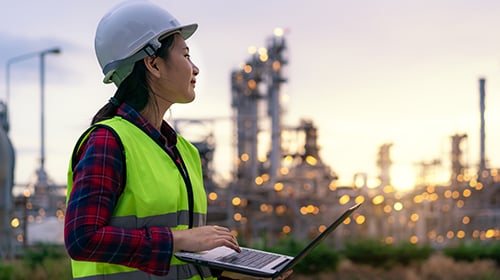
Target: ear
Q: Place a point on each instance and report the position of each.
(151, 64)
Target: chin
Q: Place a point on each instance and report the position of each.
(192, 97)
(189, 99)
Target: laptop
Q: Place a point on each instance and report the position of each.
(257, 263)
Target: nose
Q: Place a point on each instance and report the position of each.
(196, 70)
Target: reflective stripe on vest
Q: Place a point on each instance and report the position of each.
(154, 195)
(179, 218)
(176, 272)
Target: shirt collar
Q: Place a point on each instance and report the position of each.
(166, 134)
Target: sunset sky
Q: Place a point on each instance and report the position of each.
(365, 72)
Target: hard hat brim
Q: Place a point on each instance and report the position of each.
(187, 30)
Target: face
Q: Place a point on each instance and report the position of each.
(177, 74)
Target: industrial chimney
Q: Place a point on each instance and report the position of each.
(482, 160)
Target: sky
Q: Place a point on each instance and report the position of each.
(365, 72)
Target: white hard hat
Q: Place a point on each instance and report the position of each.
(130, 32)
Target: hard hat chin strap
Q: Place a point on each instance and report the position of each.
(148, 50)
(118, 70)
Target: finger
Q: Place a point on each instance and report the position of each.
(224, 232)
(233, 246)
(230, 242)
(227, 238)
(286, 274)
(219, 228)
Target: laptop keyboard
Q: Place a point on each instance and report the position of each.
(249, 258)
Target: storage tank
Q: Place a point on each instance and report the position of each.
(7, 160)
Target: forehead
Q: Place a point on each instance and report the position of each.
(179, 42)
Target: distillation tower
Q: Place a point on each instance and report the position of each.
(277, 190)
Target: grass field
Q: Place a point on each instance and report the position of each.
(437, 267)
(50, 264)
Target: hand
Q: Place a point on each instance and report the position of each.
(227, 275)
(204, 238)
(285, 275)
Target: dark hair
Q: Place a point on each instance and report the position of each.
(134, 90)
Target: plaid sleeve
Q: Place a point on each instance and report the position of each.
(97, 184)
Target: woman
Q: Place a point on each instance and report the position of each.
(135, 188)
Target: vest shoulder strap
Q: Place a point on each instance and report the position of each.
(85, 135)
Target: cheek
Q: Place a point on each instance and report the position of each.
(180, 71)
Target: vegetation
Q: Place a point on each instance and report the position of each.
(322, 258)
(379, 254)
(366, 259)
(474, 251)
(39, 262)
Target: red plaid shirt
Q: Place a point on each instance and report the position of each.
(98, 181)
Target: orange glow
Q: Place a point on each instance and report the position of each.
(311, 160)
(414, 239)
(466, 193)
(276, 66)
(265, 177)
(236, 201)
(284, 171)
(360, 219)
(418, 199)
(263, 207)
(15, 223)
(344, 199)
(237, 217)
(281, 209)
(286, 229)
(432, 235)
(252, 84)
(332, 186)
(360, 199)
(378, 199)
(212, 196)
(259, 180)
(244, 157)
(466, 220)
(447, 194)
(490, 233)
(414, 217)
(388, 189)
(247, 68)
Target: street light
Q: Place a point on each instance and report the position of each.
(41, 174)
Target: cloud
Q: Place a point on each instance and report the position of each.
(27, 49)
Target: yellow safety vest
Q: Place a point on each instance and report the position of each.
(155, 194)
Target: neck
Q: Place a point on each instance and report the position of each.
(154, 115)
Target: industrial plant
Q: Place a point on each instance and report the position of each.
(281, 187)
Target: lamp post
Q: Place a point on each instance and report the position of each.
(41, 174)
